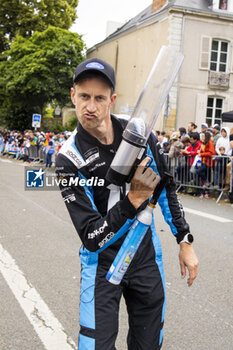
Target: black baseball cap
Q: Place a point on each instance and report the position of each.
(95, 65)
(216, 126)
(204, 126)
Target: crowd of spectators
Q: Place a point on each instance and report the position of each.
(199, 158)
(30, 146)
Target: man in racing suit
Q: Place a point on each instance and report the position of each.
(102, 213)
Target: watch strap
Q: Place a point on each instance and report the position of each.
(188, 238)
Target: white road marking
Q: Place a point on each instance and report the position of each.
(207, 216)
(16, 162)
(6, 161)
(23, 164)
(48, 328)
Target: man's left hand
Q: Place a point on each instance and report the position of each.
(188, 259)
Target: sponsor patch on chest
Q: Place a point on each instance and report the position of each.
(91, 155)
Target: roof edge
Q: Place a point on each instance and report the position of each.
(156, 16)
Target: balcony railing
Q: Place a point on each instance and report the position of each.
(219, 80)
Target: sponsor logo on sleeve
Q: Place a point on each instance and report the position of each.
(69, 198)
(97, 231)
(106, 239)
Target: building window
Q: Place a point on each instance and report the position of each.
(219, 53)
(214, 110)
(223, 4)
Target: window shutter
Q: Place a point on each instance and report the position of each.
(231, 58)
(205, 53)
(201, 109)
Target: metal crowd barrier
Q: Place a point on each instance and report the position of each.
(33, 153)
(216, 176)
(39, 154)
(42, 154)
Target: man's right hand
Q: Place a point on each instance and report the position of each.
(143, 184)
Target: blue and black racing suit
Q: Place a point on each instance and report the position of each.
(101, 214)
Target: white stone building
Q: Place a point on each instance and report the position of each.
(203, 31)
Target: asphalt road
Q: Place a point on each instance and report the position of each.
(37, 233)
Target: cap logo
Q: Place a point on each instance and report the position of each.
(95, 65)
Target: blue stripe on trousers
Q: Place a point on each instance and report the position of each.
(86, 343)
(89, 263)
(159, 262)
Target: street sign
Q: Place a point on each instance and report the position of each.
(57, 111)
(36, 118)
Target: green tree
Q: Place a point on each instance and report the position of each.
(37, 71)
(24, 17)
(72, 122)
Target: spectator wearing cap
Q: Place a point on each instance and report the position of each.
(216, 133)
(204, 127)
(166, 147)
(176, 146)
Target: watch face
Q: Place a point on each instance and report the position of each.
(190, 238)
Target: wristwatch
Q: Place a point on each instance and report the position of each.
(188, 238)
